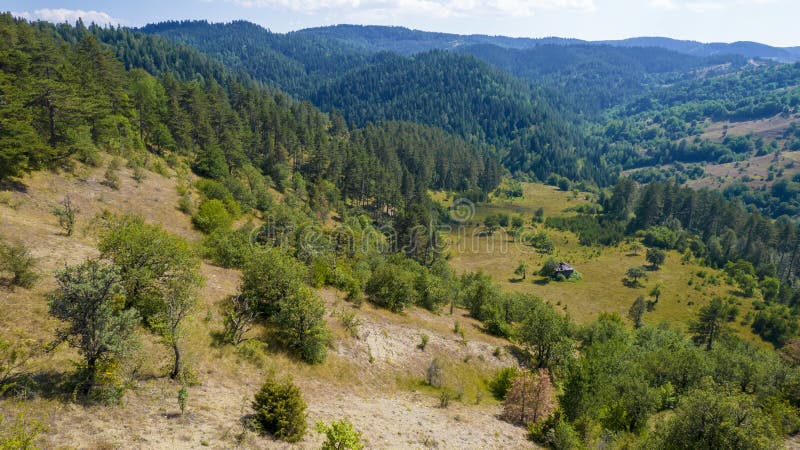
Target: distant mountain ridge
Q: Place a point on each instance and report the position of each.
(407, 41)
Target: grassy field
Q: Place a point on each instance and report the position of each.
(601, 288)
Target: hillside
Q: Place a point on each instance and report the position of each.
(382, 368)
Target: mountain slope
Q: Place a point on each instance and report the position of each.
(407, 41)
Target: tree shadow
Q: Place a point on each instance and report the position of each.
(633, 284)
(516, 280)
(522, 356)
(542, 281)
(13, 185)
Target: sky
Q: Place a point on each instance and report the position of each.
(773, 22)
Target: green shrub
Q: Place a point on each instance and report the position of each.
(340, 435)
(228, 248)
(212, 215)
(280, 409)
(16, 260)
(391, 286)
(302, 327)
(214, 190)
(502, 381)
(21, 434)
(183, 399)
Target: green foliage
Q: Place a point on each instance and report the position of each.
(212, 215)
(711, 323)
(546, 333)
(710, 419)
(20, 433)
(637, 310)
(476, 291)
(302, 328)
(183, 399)
(89, 298)
(656, 257)
(229, 248)
(160, 274)
(776, 324)
(340, 435)
(502, 381)
(17, 261)
(151, 262)
(268, 277)
(280, 409)
(238, 317)
(521, 270)
(391, 286)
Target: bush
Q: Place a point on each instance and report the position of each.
(340, 435)
(65, 213)
(301, 319)
(21, 434)
(434, 375)
(16, 260)
(392, 287)
(228, 248)
(212, 215)
(280, 409)
(502, 381)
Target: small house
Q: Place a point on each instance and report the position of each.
(564, 269)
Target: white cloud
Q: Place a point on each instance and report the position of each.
(704, 6)
(61, 15)
(429, 8)
(663, 4)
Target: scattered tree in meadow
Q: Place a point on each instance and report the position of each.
(656, 257)
(634, 274)
(17, 261)
(522, 270)
(657, 290)
(491, 223)
(268, 277)
(637, 310)
(239, 314)
(160, 274)
(65, 213)
(711, 323)
(90, 299)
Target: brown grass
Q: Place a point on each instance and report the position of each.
(381, 394)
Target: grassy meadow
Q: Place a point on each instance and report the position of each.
(687, 285)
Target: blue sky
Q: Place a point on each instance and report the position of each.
(772, 22)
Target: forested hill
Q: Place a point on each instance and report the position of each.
(66, 95)
(457, 93)
(407, 41)
(296, 63)
(590, 78)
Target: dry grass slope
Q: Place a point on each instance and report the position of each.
(375, 381)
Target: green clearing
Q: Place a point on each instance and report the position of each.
(687, 285)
